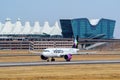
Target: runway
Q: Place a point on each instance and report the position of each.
(11, 64)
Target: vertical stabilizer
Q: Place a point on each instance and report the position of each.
(75, 45)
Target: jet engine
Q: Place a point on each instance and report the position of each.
(43, 57)
(68, 57)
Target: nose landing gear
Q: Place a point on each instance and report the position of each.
(47, 60)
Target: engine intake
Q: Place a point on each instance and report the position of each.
(68, 57)
(43, 57)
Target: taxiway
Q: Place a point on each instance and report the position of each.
(40, 63)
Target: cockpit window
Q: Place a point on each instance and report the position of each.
(46, 51)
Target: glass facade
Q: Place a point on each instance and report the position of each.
(84, 29)
(66, 26)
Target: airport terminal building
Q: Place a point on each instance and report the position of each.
(87, 28)
(82, 27)
(19, 36)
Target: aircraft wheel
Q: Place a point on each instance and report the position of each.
(52, 59)
(68, 60)
(48, 60)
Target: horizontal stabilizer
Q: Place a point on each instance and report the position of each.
(95, 45)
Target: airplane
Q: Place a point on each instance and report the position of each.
(66, 53)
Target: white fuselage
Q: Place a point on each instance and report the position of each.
(59, 52)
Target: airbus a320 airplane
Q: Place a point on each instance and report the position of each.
(66, 53)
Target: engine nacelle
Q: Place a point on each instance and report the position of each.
(43, 57)
(68, 57)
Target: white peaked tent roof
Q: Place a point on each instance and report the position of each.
(26, 29)
(46, 28)
(1, 26)
(7, 27)
(36, 28)
(56, 30)
(94, 21)
(17, 27)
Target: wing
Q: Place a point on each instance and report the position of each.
(78, 53)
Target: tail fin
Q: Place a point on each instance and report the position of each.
(75, 45)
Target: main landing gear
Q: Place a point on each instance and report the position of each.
(52, 59)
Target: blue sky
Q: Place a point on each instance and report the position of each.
(53, 10)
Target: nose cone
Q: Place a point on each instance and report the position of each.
(44, 53)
